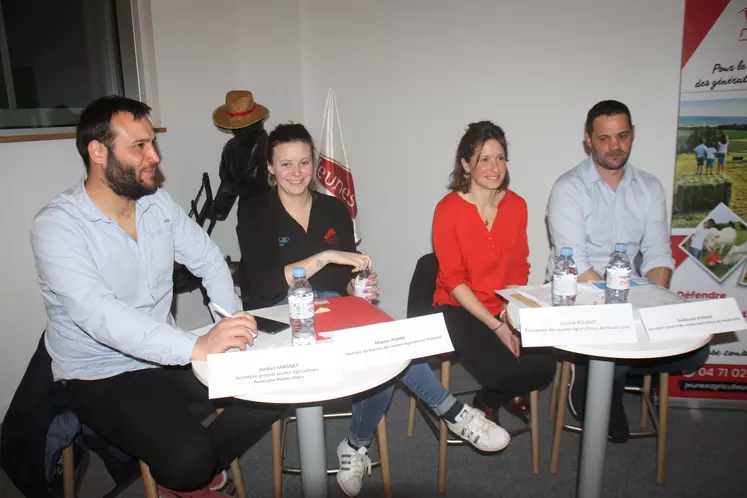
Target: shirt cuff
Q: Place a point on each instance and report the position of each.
(181, 350)
(662, 262)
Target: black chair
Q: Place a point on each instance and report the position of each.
(419, 303)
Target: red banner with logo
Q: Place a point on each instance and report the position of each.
(709, 209)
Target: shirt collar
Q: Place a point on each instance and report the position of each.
(91, 211)
(590, 175)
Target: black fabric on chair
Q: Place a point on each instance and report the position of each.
(422, 287)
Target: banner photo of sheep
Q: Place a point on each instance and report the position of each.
(709, 205)
(719, 242)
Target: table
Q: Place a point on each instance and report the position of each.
(599, 393)
(309, 417)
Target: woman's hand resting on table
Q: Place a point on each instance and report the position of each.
(236, 332)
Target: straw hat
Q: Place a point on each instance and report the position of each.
(239, 111)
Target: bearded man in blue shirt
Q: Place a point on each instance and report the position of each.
(105, 252)
(603, 201)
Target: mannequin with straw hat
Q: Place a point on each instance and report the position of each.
(242, 171)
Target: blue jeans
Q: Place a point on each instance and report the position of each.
(369, 406)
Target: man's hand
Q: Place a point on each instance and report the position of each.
(236, 332)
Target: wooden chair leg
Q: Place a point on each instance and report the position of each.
(645, 393)
(68, 471)
(554, 393)
(150, 485)
(443, 433)
(238, 478)
(386, 475)
(534, 428)
(277, 459)
(661, 452)
(411, 417)
(560, 416)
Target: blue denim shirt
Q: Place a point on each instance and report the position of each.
(108, 297)
(584, 213)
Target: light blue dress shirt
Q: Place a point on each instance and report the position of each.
(584, 213)
(108, 297)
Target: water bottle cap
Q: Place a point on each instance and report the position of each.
(566, 251)
(621, 247)
(299, 272)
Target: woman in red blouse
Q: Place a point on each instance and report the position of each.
(480, 239)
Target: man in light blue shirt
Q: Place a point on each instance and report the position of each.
(603, 201)
(700, 155)
(105, 252)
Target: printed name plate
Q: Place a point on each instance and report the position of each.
(693, 319)
(392, 342)
(272, 370)
(577, 325)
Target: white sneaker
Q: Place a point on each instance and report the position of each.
(352, 465)
(472, 426)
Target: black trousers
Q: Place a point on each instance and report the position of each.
(150, 414)
(493, 365)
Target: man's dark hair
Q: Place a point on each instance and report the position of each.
(606, 108)
(472, 142)
(95, 120)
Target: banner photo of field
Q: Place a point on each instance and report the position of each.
(709, 205)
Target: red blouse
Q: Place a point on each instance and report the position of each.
(469, 253)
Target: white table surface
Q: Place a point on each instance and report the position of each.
(356, 380)
(644, 348)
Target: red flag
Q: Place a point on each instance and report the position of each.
(333, 173)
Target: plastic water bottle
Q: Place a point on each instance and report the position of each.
(564, 279)
(361, 282)
(617, 281)
(301, 309)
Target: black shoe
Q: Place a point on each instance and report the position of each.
(577, 392)
(619, 430)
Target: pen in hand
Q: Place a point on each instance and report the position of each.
(226, 314)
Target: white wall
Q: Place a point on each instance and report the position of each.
(201, 53)
(410, 75)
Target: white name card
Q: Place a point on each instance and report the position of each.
(577, 325)
(693, 319)
(272, 370)
(392, 342)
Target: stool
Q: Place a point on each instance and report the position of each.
(278, 454)
(68, 475)
(443, 431)
(647, 408)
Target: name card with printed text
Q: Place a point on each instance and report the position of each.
(693, 319)
(577, 325)
(272, 370)
(391, 342)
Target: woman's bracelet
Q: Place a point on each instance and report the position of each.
(499, 326)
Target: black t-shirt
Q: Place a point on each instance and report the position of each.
(270, 239)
